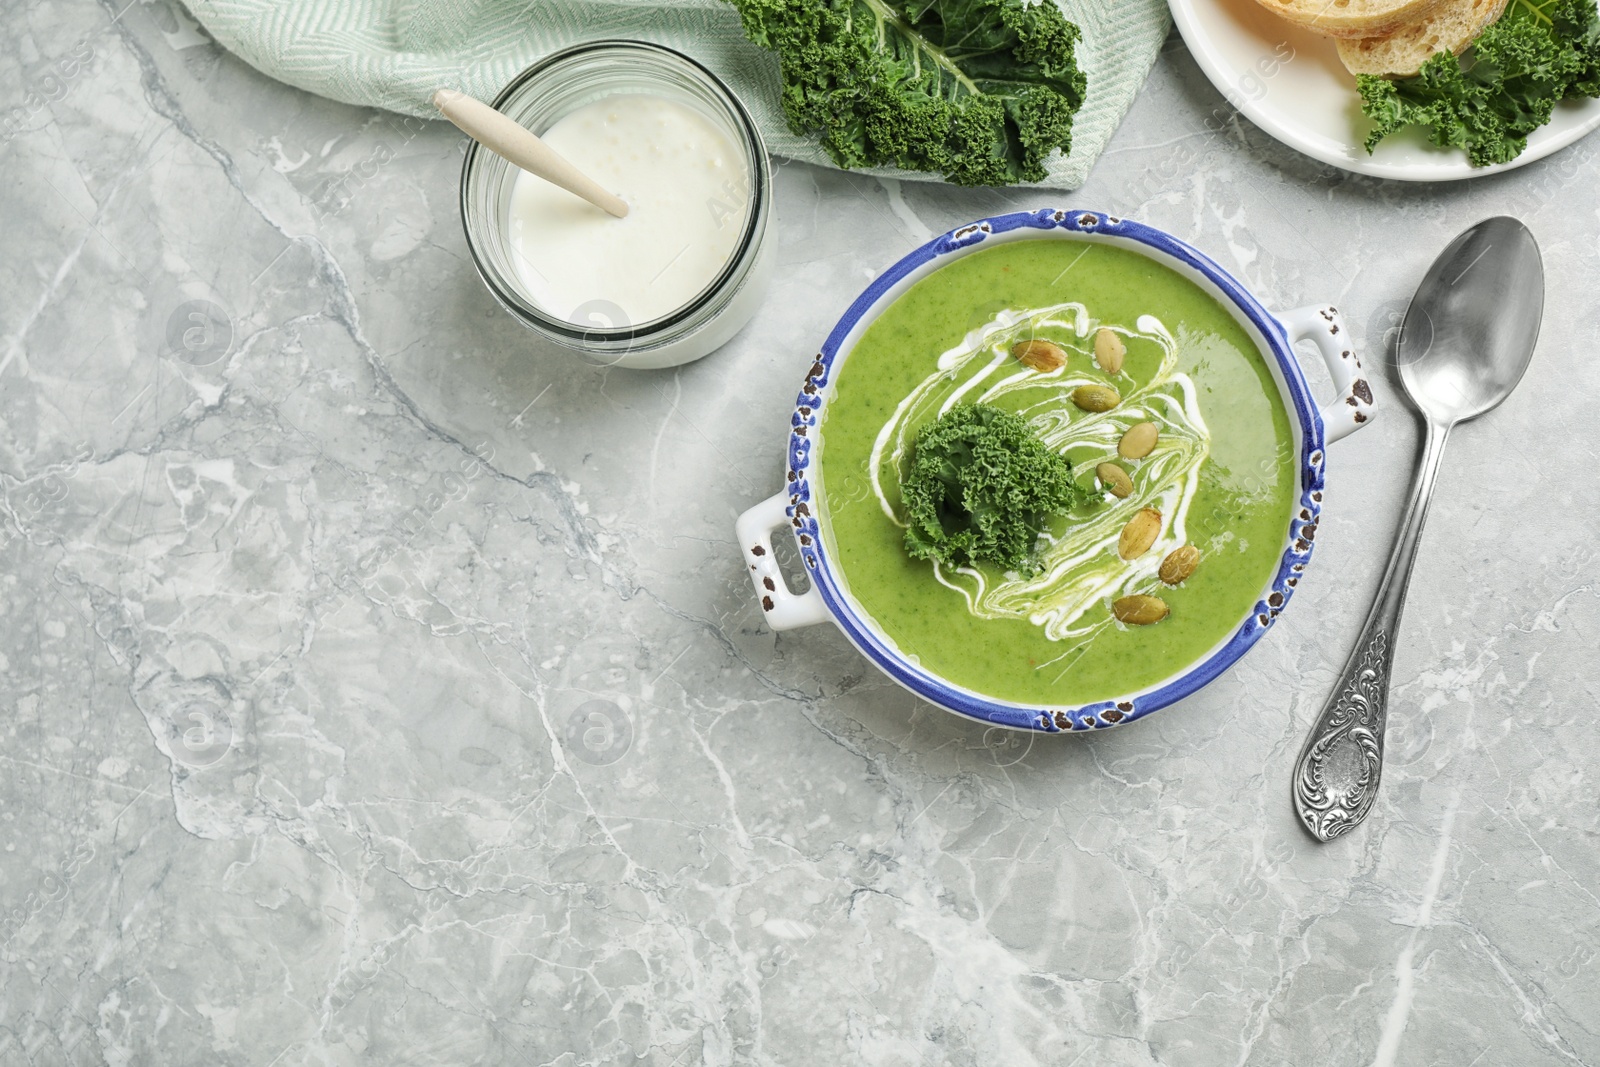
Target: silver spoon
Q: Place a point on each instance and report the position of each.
(1465, 342)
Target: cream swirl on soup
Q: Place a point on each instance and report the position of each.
(1079, 568)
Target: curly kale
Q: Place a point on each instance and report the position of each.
(980, 91)
(980, 487)
(1507, 86)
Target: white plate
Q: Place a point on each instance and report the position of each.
(1289, 81)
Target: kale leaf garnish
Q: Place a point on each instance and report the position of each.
(980, 91)
(980, 486)
(1504, 88)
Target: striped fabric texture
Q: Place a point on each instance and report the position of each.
(393, 54)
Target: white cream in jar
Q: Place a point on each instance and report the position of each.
(687, 193)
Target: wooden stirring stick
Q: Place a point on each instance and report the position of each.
(508, 139)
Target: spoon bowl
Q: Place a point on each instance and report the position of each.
(1470, 331)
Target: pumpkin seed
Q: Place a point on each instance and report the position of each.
(1179, 564)
(1115, 479)
(1109, 351)
(1139, 610)
(1138, 441)
(1042, 356)
(1139, 534)
(1096, 397)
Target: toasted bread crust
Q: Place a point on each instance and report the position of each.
(1352, 18)
(1451, 28)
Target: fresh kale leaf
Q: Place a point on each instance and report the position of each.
(1507, 86)
(980, 91)
(980, 487)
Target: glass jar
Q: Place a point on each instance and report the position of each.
(552, 88)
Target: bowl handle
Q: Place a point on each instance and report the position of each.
(784, 610)
(1352, 408)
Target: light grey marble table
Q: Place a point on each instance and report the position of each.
(309, 630)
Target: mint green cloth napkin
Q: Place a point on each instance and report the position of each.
(394, 53)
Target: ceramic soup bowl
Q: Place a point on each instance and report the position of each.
(801, 510)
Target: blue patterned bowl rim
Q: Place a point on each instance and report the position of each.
(804, 440)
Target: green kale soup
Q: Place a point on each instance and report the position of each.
(1220, 477)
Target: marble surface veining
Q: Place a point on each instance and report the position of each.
(378, 686)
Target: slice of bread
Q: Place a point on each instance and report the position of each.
(1352, 18)
(1450, 28)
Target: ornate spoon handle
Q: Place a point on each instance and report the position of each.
(1336, 777)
